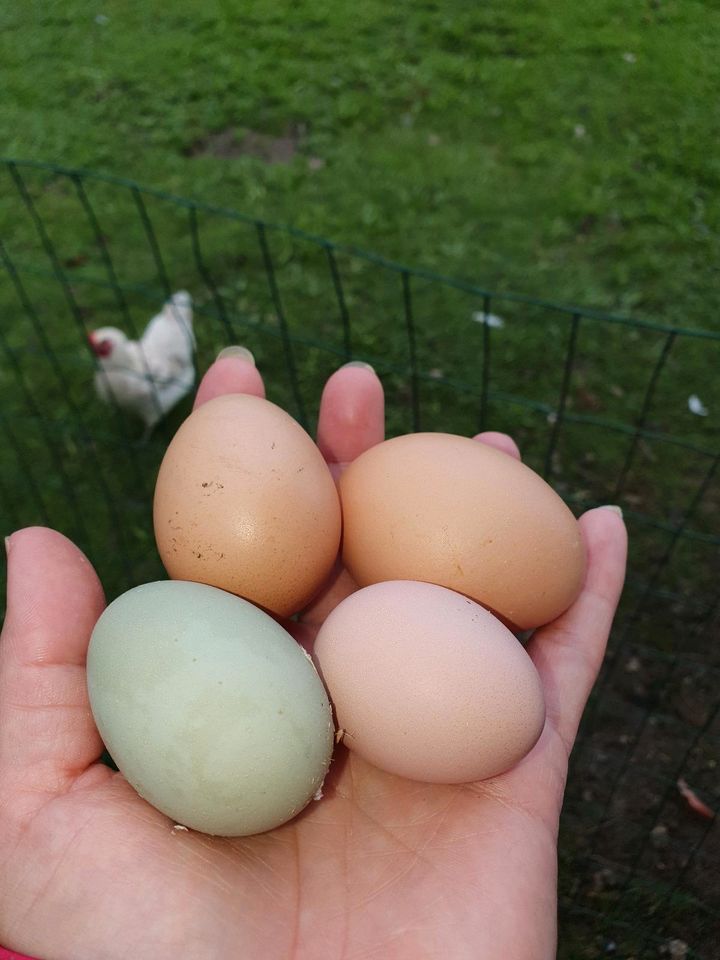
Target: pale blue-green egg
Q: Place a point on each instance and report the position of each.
(210, 709)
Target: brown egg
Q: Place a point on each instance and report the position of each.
(427, 684)
(455, 512)
(244, 501)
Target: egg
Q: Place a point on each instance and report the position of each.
(213, 713)
(461, 514)
(244, 501)
(427, 684)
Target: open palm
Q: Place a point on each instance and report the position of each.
(380, 868)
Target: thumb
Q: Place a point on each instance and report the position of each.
(47, 734)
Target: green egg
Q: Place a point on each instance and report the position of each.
(213, 713)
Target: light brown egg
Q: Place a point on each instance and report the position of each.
(452, 511)
(427, 684)
(244, 501)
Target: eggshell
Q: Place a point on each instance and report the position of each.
(213, 713)
(456, 512)
(244, 501)
(427, 684)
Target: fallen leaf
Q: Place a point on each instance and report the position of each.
(79, 260)
(633, 665)
(696, 406)
(488, 318)
(694, 801)
(659, 836)
(587, 400)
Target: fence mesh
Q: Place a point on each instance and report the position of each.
(598, 404)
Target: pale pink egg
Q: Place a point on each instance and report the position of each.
(429, 685)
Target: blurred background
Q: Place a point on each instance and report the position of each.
(559, 163)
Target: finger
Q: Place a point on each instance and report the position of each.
(54, 598)
(234, 371)
(352, 414)
(569, 651)
(501, 441)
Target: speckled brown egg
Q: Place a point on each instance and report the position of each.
(244, 501)
(427, 684)
(458, 513)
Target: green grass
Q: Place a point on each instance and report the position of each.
(448, 131)
(562, 152)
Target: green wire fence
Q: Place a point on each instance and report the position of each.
(597, 402)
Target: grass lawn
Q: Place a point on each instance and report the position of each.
(559, 151)
(565, 152)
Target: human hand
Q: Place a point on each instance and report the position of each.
(380, 868)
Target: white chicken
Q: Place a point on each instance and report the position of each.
(147, 377)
